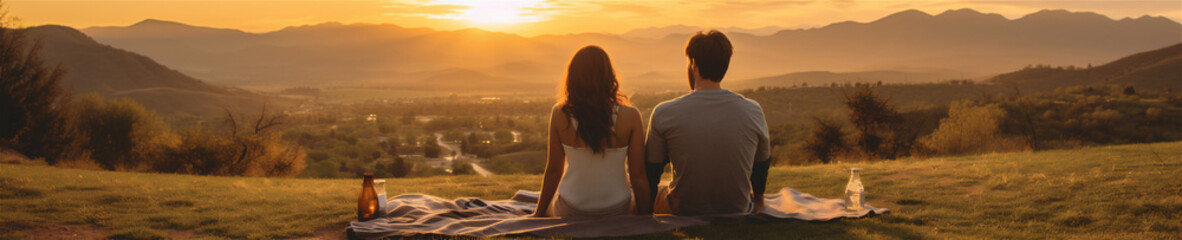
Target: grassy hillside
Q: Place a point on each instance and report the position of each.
(1128, 191)
(1156, 69)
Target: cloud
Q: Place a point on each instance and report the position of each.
(424, 9)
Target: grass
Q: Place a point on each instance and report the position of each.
(1128, 191)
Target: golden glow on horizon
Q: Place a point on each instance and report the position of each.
(481, 12)
(535, 17)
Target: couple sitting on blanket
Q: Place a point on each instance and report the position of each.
(600, 163)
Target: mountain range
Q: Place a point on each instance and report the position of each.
(954, 44)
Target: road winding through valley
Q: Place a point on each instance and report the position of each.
(454, 149)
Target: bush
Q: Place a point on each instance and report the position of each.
(254, 151)
(462, 167)
(120, 133)
(968, 129)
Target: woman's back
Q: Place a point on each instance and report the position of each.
(593, 184)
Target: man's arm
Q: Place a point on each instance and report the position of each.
(759, 182)
(763, 162)
(656, 155)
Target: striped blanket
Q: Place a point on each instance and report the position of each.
(418, 214)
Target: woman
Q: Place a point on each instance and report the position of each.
(596, 147)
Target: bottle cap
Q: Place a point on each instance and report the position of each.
(367, 174)
(856, 169)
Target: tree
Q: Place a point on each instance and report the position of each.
(407, 118)
(399, 168)
(431, 149)
(825, 141)
(879, 129)
(390, 146)
(35, 118)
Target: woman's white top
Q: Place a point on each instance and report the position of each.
(593, 184)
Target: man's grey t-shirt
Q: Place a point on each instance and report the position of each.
(712, 138)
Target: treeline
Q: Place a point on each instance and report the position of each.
(45, 122)
(1068, 117)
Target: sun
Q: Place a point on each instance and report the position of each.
(494, 12)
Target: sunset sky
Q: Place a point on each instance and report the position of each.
(534, 17)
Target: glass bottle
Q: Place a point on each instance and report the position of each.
(367, 203)
(855, 194)
(379, 186)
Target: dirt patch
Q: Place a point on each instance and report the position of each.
(334, 231)
(180, 234)
(41, 230)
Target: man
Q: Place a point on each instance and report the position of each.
(716, 140)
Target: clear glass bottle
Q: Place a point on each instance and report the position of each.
(367, 202)
(379, 186)
(855, 194)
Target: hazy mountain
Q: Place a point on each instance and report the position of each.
(957, 42)
(1157, 69)
(111, 72)
(967, 41)
(661, 32)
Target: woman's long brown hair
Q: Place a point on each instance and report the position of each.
(590, 96)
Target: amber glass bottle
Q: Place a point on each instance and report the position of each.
(367, 203)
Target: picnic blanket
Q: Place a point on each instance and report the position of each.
(414, 214)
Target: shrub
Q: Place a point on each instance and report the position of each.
(967, 129)
(462, 167)
(120, 133)
(253, 151)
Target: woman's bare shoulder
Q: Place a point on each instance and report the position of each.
(629, 110)
(630, 115)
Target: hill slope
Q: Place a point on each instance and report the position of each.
(1157, 69)
(112, 72)
(1127, 191)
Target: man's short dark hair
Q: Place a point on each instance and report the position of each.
(711, 52)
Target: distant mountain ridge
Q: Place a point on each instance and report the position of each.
(112, 72)
(964, 42)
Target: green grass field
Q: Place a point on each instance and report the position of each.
(1128, 191)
